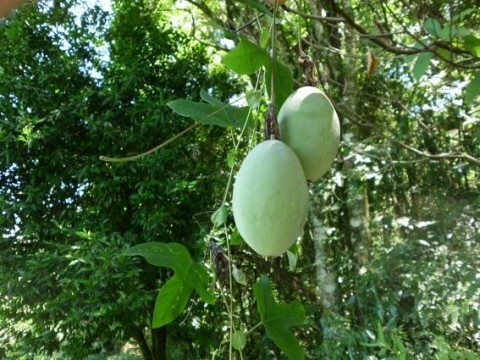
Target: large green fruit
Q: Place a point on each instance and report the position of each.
(270, 198)
(309, 124)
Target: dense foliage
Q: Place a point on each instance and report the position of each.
(388, 266)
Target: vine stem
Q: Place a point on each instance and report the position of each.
(136, 157)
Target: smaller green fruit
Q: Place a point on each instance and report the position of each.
(309, 124)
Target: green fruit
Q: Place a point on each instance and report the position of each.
(270, 198)
(309, 124)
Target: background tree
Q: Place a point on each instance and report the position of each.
(78, 83)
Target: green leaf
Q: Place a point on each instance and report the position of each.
(234, 115)
(238, 275)
(239, 340)
(246, 57)
(278, 318)
(472, 44)
(175, 293)
(283, 82)
(433, 27)
(171, 301)
(264, 38)
(220, 216)
(473, 89)
(199, 279)
(292, 260)
(171, 255)
(421, 65)
(203, 113)
(254, 98)
(236, 238)
(231, 158)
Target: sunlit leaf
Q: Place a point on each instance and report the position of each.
(278, 318)
(219, 217)
(473, 89)
(283, 82)
(246, 57)
(421, 65)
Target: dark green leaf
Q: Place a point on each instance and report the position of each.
(172, 255)
(278, 318)
(433, 27)
(199, 279)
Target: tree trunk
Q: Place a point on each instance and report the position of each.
(326, 280)
(142, 342)
(159, 343)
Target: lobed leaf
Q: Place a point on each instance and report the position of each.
(278, 318)
(246, 57)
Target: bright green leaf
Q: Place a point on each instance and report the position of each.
(264, 38)
(171, 301)
(278, 318)
(473, 89)
(231, 158)
(421, 65)
(219, 217)
(472, 44)
(246, 57)
(236, 238)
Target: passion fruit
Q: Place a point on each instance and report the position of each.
(309, 125)
(270, 198)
